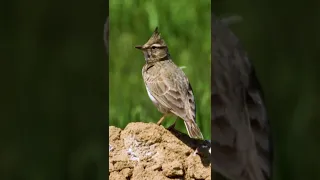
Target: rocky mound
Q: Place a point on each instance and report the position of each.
(146, 151)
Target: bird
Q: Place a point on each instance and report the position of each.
(241, 138)
(167, 85)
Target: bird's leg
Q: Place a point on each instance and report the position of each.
(173, 125)
(161, 119)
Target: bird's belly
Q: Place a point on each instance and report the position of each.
(151, 97)
(160, 108)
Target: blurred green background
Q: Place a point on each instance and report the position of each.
(186, 28)
(281, 38)
(54, 90)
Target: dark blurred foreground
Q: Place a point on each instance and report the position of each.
(281, 41)
(54, 113)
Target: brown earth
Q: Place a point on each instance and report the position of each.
(146, 151)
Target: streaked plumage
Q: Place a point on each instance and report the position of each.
(167, 85)
(241, 134)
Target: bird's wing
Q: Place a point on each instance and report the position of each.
(191, 104)
(172, 91)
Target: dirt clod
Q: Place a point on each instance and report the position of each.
(172, 169)
(144, 151)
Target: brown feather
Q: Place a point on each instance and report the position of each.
(240, 144)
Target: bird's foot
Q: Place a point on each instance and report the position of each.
(160, 120)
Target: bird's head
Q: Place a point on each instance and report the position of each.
(155, 49)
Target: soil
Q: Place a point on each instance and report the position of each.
(146, 151)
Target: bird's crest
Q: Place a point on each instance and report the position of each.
(155, 38)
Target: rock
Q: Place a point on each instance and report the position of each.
(144, 151)
(173, 169)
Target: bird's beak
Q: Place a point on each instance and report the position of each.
(140, 47)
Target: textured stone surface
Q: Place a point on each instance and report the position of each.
(144, 151)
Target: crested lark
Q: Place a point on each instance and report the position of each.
(167, 85)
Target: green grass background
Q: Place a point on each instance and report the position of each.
(186, 28)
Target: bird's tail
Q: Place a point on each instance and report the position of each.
(193, 129)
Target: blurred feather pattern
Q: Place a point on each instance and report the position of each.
(240, 130)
